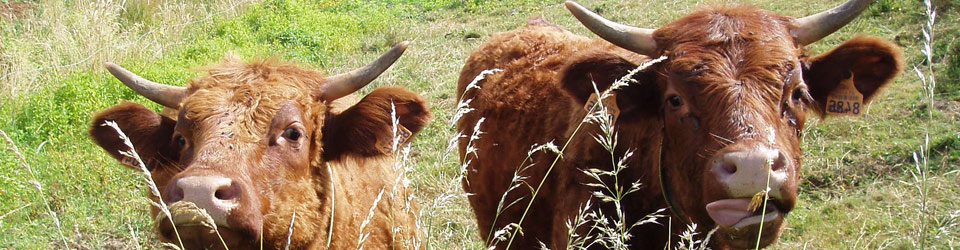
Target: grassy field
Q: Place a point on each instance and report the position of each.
(861, 186)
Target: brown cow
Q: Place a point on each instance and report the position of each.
(254, 143)
(720, 114)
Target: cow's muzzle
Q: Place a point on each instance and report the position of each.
(760, 191)
(206, 208)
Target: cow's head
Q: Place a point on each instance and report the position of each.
(732, 96)
(251, 142)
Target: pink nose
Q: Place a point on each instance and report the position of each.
(745, 172)
(217, 195)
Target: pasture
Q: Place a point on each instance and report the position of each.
(886, 180)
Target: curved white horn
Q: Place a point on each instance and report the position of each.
(345, 83)
(638, 40)
(814, 27)
(166, 95)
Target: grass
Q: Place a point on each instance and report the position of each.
(857, 190)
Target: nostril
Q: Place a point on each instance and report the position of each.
(728, 164)
(779, 162)
(227, 192)
(729, 168)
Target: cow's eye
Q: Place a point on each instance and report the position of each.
(180, 140)
(291, 134)
(797, 94)
(675, 101)
(801, 95)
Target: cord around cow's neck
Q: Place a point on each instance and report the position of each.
(665, 181)
(333, 204)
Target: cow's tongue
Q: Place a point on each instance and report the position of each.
(728, 212)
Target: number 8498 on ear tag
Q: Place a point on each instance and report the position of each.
(845, 99)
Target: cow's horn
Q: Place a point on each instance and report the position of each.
(638, 40)
(345, 83)
(166, 95)
(814, 27)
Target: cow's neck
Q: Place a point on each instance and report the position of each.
(355, 185)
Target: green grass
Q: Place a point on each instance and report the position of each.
(856, 190)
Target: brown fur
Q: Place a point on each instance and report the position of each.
(733, 69)
(232, 120)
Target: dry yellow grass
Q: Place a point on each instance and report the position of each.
(55, 37)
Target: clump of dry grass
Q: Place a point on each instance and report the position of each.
(67, 35)
(690, 241)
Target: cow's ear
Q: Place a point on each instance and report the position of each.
(872, 61)
(639, 99)
(367, 128)
(149, 132)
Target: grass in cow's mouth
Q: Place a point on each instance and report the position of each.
(856, 181)
(759, 210)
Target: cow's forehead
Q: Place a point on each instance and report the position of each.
(730, 48)
(239, 101)
(724, 25)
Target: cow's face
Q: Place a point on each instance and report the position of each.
(250, 146)
(733, 105)
(732, 97)
(244, 156)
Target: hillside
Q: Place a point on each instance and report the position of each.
(861, 187)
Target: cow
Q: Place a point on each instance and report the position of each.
(277, 156)
(718, 114)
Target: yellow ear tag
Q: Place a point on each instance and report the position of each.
(610, 103)
(845, 99)
(404, 134)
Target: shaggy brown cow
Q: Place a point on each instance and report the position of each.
(254, 143)
(722, 113)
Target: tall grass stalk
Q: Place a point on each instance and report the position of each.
(366, 221)
(518, 180)
(401, 156)
(765, 195)
(462, 108)
(623, 81)
(614, 233)
(36, 184)
(293, 217)
(929, 85)
(494, 236)
(147, 176)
